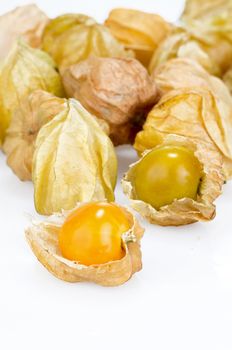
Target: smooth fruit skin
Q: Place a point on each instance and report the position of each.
(165, 174)
(92, 234)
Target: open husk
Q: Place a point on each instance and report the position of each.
(117, 90)
(139, 31)
(186, 210)
(74, 161)
(43, 240)
(195, 113)
(25, 70)
(34, 111)
(72, 38)
(27, 22)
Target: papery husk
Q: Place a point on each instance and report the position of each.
(118, 90)
(72, 38)
(139, 31)
(186, 210)
(27, 22)
(185, 73)
(74, 161)
(183, 44)
(210, 22)
(198, 9)
(43, 240)
(180, 73)
(35, 111)
(24, 71)
(194, 113)
(217, 47)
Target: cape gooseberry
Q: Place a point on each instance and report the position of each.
(92, 234)
(165, 174)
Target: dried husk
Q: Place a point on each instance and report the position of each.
(138, 31)
(180, 73)
(195, 113)
(185, 73)
(186, 210)
(74, 161)
(72, 38)
(210, 22)
(182, 43)
(207, 40)
(197, 9)
(212, 18)
(43, 240)
(24, 71)
(35, 111)
(27, 22)
(118, 90)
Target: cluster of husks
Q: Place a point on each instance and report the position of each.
(64, 145)
(195, 107)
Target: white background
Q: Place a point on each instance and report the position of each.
(182, 299)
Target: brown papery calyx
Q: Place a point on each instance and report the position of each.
(118, 90)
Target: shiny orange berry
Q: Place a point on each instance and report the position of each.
(92, 234)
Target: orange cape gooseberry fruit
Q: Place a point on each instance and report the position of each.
(92, 234)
